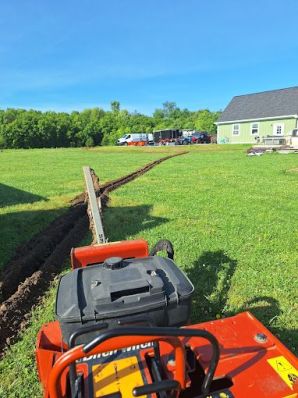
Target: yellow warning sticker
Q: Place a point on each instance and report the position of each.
(121, 375)
(286, 371)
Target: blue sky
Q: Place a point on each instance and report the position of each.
(65, 55)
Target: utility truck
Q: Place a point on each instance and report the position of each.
(136, 139)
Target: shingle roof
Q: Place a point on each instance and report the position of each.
(283, 102)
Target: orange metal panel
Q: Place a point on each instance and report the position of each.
(87, 255)
(256, 367)
(245, 359)
(49, 347)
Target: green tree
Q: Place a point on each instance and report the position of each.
(115, 106)
(21, 128)
(205, 121)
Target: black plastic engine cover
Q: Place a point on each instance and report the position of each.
(151, 290)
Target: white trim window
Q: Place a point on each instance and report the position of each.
(278, 129)
(254, 128)
(236, 129)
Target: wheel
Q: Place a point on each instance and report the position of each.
(163, 245)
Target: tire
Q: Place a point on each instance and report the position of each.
(163, 245)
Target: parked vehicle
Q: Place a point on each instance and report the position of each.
(167, 137)
(150, 139)
(201, 137)
(135, 139)
(183, 140)
(188, 133)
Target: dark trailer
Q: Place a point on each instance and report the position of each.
(164, 136)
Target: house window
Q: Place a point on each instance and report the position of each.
(278, 129)
(236, 129)
(255, 128)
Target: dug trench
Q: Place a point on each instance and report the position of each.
(28, 275)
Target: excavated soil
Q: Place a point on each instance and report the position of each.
(28, 274)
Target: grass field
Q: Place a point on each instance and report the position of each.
(37, 185)
(231, 219)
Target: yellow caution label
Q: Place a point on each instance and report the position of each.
(121, 375)
(286, 371)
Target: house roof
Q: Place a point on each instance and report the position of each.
(267, 104)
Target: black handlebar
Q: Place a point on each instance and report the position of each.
(164, 332)
(164, 385)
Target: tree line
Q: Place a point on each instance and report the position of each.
(20, 128)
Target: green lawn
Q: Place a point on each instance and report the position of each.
(232, 220)
(37, 185)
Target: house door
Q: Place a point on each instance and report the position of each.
(278, 129)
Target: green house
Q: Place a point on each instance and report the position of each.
(252, 117)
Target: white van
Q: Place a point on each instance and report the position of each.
(133, 138)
